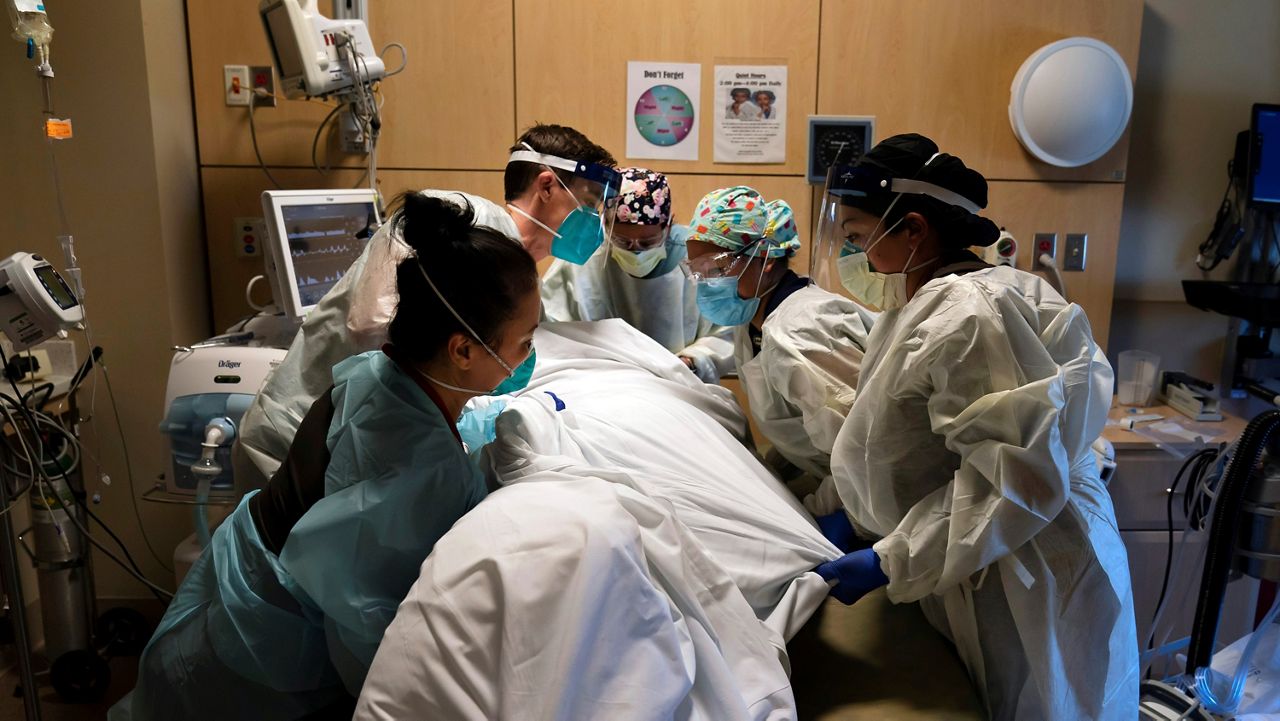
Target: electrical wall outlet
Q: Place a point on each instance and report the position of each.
(263, 77)
(1074, 251)
(249, 234)
(1042, 244)
(235, 82)
(1004, 251)
(353, 138)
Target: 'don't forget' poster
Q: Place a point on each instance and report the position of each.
(662, 110)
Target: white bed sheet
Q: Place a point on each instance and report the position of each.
(637, 560)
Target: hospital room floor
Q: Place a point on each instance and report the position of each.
(872, 661)
(124, 673)
(877, 661)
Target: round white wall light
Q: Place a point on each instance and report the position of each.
(1070, 101)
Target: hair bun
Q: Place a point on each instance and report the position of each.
(982, 232)
(427, 222)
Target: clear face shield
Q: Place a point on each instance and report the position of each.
(845, 231)
(828, 238)
(594, 188)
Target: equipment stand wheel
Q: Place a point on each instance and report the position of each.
(80, 676)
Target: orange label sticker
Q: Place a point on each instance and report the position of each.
(57, 129)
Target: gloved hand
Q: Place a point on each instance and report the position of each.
(856, 574)
(478, 425)
(836, 528)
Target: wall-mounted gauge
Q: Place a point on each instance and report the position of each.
(829, 133)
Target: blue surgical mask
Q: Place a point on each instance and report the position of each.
(719, 303)
(519, 378)
(579, 235)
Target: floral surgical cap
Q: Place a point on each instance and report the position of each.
(644, 199)
(738, 218)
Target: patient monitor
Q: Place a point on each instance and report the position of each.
(313, 237)
(318, 56)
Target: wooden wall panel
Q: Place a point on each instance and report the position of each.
(943, 69)
(571, 64)
(233, 192)
(1093, 208)
(453, 107)
(480, 71)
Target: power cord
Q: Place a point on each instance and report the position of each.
(1198, 463)
(253, 134)
(404, 55)
(128, 465)
(70, 442)
(41, 475)
(315, 141)
(1227, 227)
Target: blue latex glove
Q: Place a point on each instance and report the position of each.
(836, 528)
(856, 574)
(478, 426)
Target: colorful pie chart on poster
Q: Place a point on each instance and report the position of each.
(664, 115)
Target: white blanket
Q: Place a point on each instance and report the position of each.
(639, 562)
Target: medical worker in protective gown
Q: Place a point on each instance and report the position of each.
(557, 185)
(798, 347)
(967, 449)
(638, 276)
(283, 612)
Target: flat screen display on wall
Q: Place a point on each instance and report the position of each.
(1264, 176)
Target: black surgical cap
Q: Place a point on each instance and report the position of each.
(908, 156)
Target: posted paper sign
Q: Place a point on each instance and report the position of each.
(662, 110)
(750, 110)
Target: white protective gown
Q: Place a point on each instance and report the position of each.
(802, 382)
(967, 451)
(350, 319)
(664, 308)
(637, 563)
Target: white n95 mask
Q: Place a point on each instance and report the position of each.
(870, 288)
(877, 291)
(638, 263)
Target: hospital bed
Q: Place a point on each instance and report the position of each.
(636, 560)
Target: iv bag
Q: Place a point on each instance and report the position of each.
(30, 21)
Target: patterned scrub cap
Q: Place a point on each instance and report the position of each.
(644, 198)
(738, 217)
(781, 229)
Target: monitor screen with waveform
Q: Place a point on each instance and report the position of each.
(324, 240)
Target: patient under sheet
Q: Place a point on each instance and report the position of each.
(637, 561)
